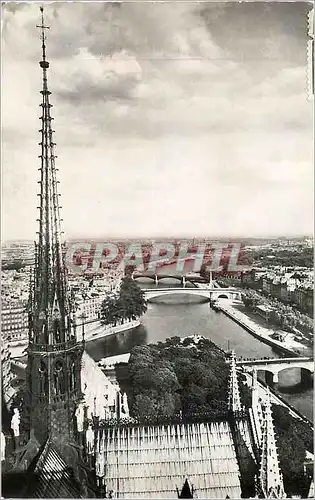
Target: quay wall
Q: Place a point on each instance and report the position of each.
(250, 330)
(101, 331)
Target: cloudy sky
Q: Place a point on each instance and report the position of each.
(171, 119)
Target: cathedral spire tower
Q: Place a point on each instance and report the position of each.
(54, 355)
(234, 400)
(50, 287)
(270, 477)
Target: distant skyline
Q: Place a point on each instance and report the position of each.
(166, 238)
(173, 119)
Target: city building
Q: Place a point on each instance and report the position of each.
(88, 307)
(6, 373)
(304, 298)
(15, 285)
(14, 321)
(291, 286)
(264, 311)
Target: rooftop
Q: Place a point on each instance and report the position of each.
(153, 461)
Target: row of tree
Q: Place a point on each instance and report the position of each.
(282, 315)
(299, 256)
(128, 304)
(295, 257)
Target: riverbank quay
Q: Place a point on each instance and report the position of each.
(93, 330)
(259, 332)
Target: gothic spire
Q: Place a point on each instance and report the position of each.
(54, 355)
(270, 477)
(51, 307)
(234, 400)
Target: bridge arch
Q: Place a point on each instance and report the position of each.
(208, 293)
(142, 277)
(163, 278)
(266, 376)
(285, 371)
(294, 376)
(158, 293)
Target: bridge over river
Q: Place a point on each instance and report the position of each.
(275, 366)
(206, 292)
(159, 276)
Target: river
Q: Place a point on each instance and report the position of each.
(180, 315)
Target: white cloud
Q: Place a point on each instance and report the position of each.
(159, 127)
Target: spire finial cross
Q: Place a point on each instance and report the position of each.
(42, 26)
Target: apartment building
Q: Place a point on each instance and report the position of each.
(6, 373)
(14, 321)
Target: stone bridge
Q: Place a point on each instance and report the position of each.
(156, 277)
(206, 292)
(275, 365)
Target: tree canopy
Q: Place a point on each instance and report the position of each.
(129, 304)
(174, 376)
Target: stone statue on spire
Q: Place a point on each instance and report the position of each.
(15, 423)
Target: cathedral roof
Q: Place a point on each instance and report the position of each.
(51, 477)
(152, 461)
